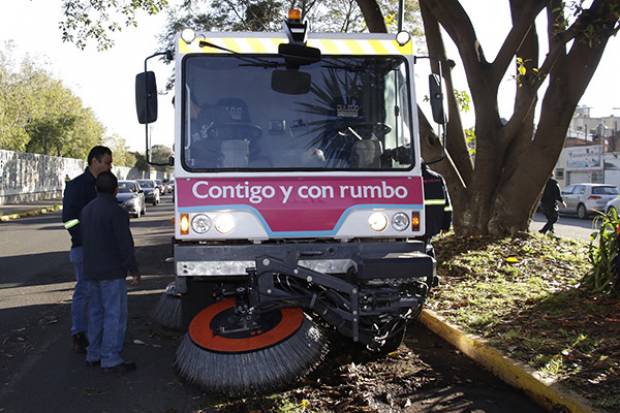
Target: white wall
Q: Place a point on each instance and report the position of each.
(32, 177)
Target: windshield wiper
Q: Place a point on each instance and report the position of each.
(334, 64)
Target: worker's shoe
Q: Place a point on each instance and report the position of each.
(80, 342)
(121, 369)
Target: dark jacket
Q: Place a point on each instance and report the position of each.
(78, 192)
(107, 240)
(551, 195)
(436, 202)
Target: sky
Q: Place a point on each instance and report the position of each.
(105, 80)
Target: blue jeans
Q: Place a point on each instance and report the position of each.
(79, 304)
(107, 322)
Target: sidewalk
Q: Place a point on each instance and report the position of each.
(10, 212)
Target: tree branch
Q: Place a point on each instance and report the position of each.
(526, 96)
(453, 18)
(456, 145)
(431, 149)
(522, 24)
(372, 16)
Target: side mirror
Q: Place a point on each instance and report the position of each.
(146, 97)
(170, 162)
(440, 115)
(290, 82)
(296, 55)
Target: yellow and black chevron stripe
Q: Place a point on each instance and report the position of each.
(269, 45)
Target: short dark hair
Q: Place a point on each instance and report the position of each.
(106, 183)
(98, 152)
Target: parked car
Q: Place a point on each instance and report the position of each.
(614, 204)
(151, 190)
(584, 199)
(131, 197)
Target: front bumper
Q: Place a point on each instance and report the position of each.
(132, 207)
(364, 260)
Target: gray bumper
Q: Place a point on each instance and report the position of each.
(367, 260)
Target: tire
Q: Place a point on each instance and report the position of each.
(144, 210)
(137, 215)
(581, 212)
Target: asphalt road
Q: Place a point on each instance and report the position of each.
(567, 226)
(40, 373)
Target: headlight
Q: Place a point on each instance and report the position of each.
(201, 223)
(224, 223)
(378, 221)
(400, 221)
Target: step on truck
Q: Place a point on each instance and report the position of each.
(298, 203)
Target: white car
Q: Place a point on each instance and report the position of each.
(614, 204)
(584, 199)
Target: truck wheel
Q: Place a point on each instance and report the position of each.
(199, 295)
(581, 211)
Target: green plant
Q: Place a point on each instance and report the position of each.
(603, 255)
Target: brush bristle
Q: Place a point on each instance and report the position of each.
(257, 372)
(168, 312)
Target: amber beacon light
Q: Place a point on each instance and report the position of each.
(294, 14)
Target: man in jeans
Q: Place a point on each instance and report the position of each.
(108, 258)
(79, 192)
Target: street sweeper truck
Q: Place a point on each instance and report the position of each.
(299, 202)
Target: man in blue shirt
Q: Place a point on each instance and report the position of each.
(79, 192)
(108, 258)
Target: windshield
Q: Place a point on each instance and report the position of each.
(146, 184)
(604, 190)
(356, 115)
(124, 187)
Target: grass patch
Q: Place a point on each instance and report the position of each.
(524, 296)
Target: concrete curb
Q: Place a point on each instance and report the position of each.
(31, 213)
(551, 396)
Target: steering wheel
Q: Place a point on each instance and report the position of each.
(232, 130)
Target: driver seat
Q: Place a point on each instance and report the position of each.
(235, 149)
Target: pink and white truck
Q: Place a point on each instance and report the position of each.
(299, 202)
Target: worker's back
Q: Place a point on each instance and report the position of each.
(107, 240)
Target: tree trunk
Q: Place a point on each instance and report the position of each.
(498, 193)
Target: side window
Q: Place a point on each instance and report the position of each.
(568, 190)
(580, 190)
